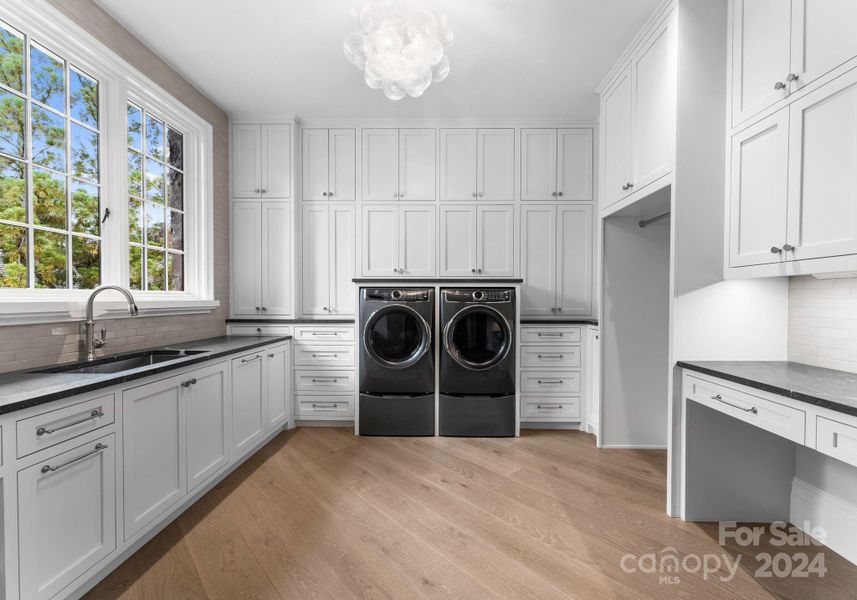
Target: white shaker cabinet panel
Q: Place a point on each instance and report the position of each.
(824, 36)
(379, 235)
(495, 251)
(761, 47)
(457, 241)
(574, 260)
(822, 219)
(246, 258)
(574, 164)
(380, 164)
(153, 442)
(278, 367)
(758, 192)
(246, 161)
(538, 260)
(538, 164)
(495, 168)
(276, 161)
(616, 118)
(458, 169)
(417, 240)
(316, 156)
(315, 260)
(248, 402)
(417, 173)
(342, 261)
(342, 165)
(276, 268)
(207, 399)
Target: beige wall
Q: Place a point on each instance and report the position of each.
(33, 345)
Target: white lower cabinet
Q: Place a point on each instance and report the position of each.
(278, 381)
(207, 401)
(248, 402)
(66, 516)
(477, 240)
(325, 376)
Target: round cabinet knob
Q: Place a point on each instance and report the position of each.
(630, 185)
(258, 308)
(788, 248)
(330, 194)
(395, 194)
(474, 194)
(401, 195)
(264, 308)
(478, 270)
(559, 194)
(791, 77)
(264, 190)
(324, 308)
(256, 190)
(779, 85)
(553, 194)
(481, 194)
(776, 250)
(559, 309)
(258, 330)
(324, 193)
(472, 270)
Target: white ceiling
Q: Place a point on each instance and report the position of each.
(512, 59)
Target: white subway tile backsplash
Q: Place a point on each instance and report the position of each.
(823, 322)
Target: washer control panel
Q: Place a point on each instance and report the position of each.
(486, 295)
(397, 294)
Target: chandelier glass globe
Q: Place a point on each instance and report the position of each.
(400, 45)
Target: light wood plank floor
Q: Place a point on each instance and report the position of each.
(320, 513)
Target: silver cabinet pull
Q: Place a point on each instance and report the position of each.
(788, 248)
(330, 194)
(549, 406)
(550, 381)
(776, 250)
(324, 193)
(550, 334)
(258, 308)
(326, 405)
(481, 194)
(189, 382)
(271, 355)
(256, 190)
(559, 194)
(325, 333)
(720, 399)
(98, 448)
(779, 85)
(258, 330)
(325, 355)
(550, 355)
(264, 308)
(479, 270)
(324, 308)
(95, 414)
(249, 360)
(553, 194)
(474, 194)
(791, 77)
(264, 190)
(325, 380)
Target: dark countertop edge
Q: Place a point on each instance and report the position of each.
(416, 282)
(275, 321)
(559, 322)
(773, 389)
(124, 378)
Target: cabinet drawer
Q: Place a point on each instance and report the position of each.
(314, 333)
(542, 334)
(324, 381)
(324, 406)
(551, 382)
(50, 428)
(260, 330)
(782, 420)
(311, 355)
(549, 357)
(550, 407)
(837, 440)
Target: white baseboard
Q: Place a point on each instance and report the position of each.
(574, 426)
(822, 509)
(634, 447)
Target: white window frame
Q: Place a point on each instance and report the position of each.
(119, 82)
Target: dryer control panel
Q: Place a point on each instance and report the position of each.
(487, 295)
(398, 294)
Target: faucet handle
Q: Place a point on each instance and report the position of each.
(102, 338)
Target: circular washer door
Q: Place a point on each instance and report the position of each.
(478, 337)
(397, 336)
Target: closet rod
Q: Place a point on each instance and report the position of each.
(654, 219)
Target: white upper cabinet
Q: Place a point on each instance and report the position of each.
(246, 258)
(556, 164)
(477, 164)
(417, 173)
(343, 248)
(538, 260)
(276, 274)
(574, 260)
(328, 260)
(380, 164)
(399, 241)
(261, 161)
(329, 164)
(417, 240)
(616, 119)
(458, 240)
(379, 234)
(477, 240)
(824, 36)
(458, 159)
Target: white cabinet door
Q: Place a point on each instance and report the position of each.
(246, 161)
(417, 157)
(495, 167)
(248, 402)
(616, 121)
(276, 259)
(315, 157)
(593, 379)
(66, 517)
(822, 217)
(417, 235)
(246, 258)
(574, 260)
(278, 366)
(457, 241)
(654, 109)
(458, 151)
(538, 164)
(538, 260)
(342, 165)
(315, 260)
(495, 241)
(276, 161)
(574, 164)
(824, 36)
(379, 234)
(757, 203)
(207, 401)
(153, 444)
(761, 40)
(380, 164)
(342, 261)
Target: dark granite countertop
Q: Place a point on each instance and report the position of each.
(275, 321)
(836, 390)
(23, 389)
(467, 283)
(531, 321)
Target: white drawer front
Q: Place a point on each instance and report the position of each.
(52, 427)
(317, 333)
(782, 420)
(550, 334)
(550, 407)
(260, 330)
(324, 406)
(550, 357)
(837, 440)
(313, 355)
(550, 382)
(324, 381)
